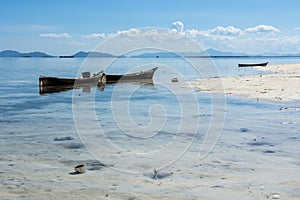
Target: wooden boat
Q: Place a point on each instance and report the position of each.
(46, 81)
(53, 84)
(143, 76)
(254, 64)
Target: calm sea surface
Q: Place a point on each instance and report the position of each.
(28, 118)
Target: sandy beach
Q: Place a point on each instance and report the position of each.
(282, 85)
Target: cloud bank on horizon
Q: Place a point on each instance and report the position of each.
(253, 40)
(178, 27)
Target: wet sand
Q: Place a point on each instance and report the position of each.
(231, 171)
(284, 85)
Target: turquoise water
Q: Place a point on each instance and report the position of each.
(28, 118)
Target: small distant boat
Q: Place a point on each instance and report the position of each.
(253, 64)
(174, 80)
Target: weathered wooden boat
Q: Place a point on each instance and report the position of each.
(46, 81)
(253, 64)
(143, 76)
(53, 84)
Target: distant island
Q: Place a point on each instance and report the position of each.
(11, 53)
(210, 53)
(36, 54)
(81, 54)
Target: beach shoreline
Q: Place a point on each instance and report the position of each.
(282, 85)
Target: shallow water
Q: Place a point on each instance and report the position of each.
(28, 116)
(148, 125)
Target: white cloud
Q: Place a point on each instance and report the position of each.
(235, 39)
(230, 30)
(172, 35)
(55, 35)
(95, 36)
(261, 28)
(254, 45)
(178, 26)
(152, 33)
(131, 33)
(193, 33)
(217, 32)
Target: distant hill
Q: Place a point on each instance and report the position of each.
(156, 55)
(213, 52)
(82, 54)
(35, 54)
(209, 52)
(11, 53)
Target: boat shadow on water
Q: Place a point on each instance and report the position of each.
(44, 90)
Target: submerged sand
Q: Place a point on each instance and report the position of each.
(235, 169)
(282, 85)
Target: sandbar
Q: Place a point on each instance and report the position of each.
(283, 84)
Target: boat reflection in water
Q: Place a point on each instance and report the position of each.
(56, 89)
(85, 88)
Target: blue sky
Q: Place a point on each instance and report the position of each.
(65, 27)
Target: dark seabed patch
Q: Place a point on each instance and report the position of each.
(293, 138)
(244, 130)
(74, 173)
(63, 138)
(95, 165)
(159, 175)
(269, 151)
(257, 143)
(217, 186)
(91, 165)
(73, 145)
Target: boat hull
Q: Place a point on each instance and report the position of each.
(54, 81)
(254, 64)
(143, 76)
